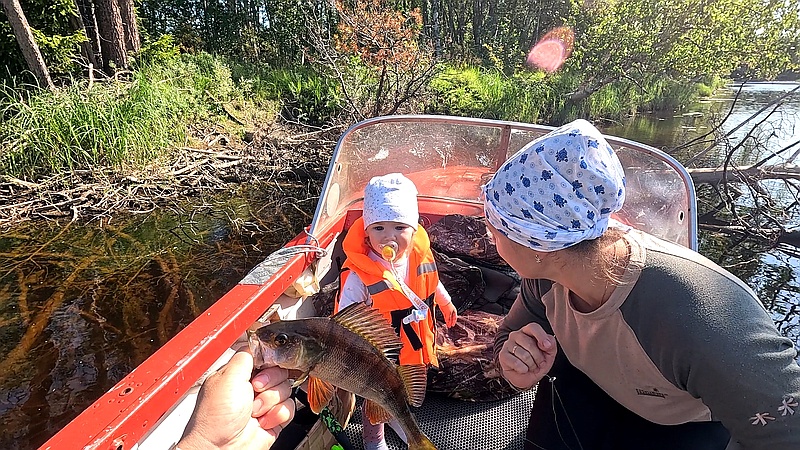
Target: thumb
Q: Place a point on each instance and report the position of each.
(240, 367)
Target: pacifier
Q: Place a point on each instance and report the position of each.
(389, 251)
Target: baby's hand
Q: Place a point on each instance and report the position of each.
(450, 314)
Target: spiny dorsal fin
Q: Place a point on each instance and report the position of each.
(415, 379)
(372, 326)
(375, 413)
(319, 394)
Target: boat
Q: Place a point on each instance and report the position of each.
(448, 158)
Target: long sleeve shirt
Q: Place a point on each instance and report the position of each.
(680, 340)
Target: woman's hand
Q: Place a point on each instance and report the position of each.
(527, 356)
(233, 412)
(449, 313)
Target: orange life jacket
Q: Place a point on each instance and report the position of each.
(387, 296)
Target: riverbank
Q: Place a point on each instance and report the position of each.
(214, 160)
(183, 124)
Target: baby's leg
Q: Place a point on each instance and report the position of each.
(373, 435)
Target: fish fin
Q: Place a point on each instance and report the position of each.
(370, 324)
(415, 379)
(319, 394)
(423, 444)
(376, 413)
(299, 377)
(342, 406)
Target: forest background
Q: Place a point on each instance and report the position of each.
(115, 105)
(119, 84)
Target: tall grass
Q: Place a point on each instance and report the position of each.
(115, 123)
(305, 94)
(488, 93)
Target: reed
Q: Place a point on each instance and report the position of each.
(111, 123)
(488, 93)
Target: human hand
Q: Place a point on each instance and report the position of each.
(450, 314)
(527, 356)
(233, 412)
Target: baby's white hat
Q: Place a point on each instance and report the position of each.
(391, 198)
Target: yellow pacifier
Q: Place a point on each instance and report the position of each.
(389, 251)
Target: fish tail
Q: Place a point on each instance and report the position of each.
(423, 444)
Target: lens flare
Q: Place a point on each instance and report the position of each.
(552, 50)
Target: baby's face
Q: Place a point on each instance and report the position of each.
(380, 234)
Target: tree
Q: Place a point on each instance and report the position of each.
(377, 55)
(112, 35)
(30, 50)
(682, 39)
(132, 40)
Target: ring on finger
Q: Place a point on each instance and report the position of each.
(514, 350)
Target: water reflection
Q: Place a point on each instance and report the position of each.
(82, 305)
(759, 124)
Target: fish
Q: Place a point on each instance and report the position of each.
(353, 350)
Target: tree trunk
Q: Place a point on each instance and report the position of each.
(132, 40)
(112, 35)
(30, 50)
(76, 22)
(436, 34)
(89, 18)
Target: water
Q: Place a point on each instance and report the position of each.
(757, 130)
(82, 305)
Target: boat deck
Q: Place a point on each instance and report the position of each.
(459, 425)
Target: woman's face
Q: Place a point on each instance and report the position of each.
(520, 258)
(380, 234)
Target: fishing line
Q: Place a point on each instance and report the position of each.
(555, 395)
(297, 249)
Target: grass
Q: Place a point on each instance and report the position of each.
(115, 123)
(130, 123)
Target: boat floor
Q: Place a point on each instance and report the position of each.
(459, 425)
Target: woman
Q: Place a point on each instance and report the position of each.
(638, 343)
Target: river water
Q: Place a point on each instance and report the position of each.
(81, 305)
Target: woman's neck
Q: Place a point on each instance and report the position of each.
(593, 283)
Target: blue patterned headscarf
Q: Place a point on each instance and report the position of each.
(558, 190)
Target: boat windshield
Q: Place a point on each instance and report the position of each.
(449, 158)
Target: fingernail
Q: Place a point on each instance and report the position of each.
(257, 404)
(260, 381)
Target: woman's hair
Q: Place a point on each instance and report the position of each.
(593, 249)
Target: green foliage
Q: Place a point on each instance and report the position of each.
(304, 94)
(59, 51)
(273, 31)
(160, 51)
(58, 42)
(488, 93)
(117, 123)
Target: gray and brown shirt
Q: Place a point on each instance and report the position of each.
(681, 340)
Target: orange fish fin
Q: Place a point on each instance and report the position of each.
(375, 413)
(415, 379)
(319, 394)
(370, 324)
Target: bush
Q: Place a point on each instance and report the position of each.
(488, 93)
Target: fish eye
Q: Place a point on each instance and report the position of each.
(281, 339)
